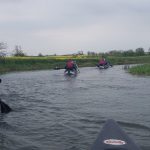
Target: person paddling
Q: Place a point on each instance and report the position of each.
(102, 62)
(70, 65)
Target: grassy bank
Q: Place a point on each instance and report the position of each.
(140, 69)
(28, 63)
(38, 63)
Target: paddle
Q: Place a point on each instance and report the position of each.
(77, 66)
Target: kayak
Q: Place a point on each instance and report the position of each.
(112, 137)
(103, 67)
(70, 72)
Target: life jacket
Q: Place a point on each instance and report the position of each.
(69, 64)
(102, 62)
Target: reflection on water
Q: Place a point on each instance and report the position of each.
(53, 111)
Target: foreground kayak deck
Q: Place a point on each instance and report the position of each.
(112, 137)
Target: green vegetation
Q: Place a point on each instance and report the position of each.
(28, 63)
(8, 64)
(140, 69)
(22, 62)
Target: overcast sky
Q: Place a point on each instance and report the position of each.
(68, 26)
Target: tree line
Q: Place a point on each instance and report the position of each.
(124, 53)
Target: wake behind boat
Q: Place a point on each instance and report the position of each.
(112, 137)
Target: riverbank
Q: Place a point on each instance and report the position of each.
(10, 64)
(140, 69)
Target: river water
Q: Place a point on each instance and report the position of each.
(54, 112)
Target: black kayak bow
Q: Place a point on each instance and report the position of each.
(112, 137)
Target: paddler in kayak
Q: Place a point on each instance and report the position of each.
(102, 62)
(70, 65)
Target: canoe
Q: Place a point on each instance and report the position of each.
(112, 137)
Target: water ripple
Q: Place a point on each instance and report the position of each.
(51, 111)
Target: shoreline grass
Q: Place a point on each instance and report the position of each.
(140, 70)
(10, 64)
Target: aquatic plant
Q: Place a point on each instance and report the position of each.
(140, 69)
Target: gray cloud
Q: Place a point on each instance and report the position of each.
(59, 26)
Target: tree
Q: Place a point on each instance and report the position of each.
(128, 53)
(149, 51)
(89, 53)
(3, 47)
(40, 55)
(115, 53)
(18, 51)
(139, 51)
(80, 52)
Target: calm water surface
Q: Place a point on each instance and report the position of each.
(54, 112)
